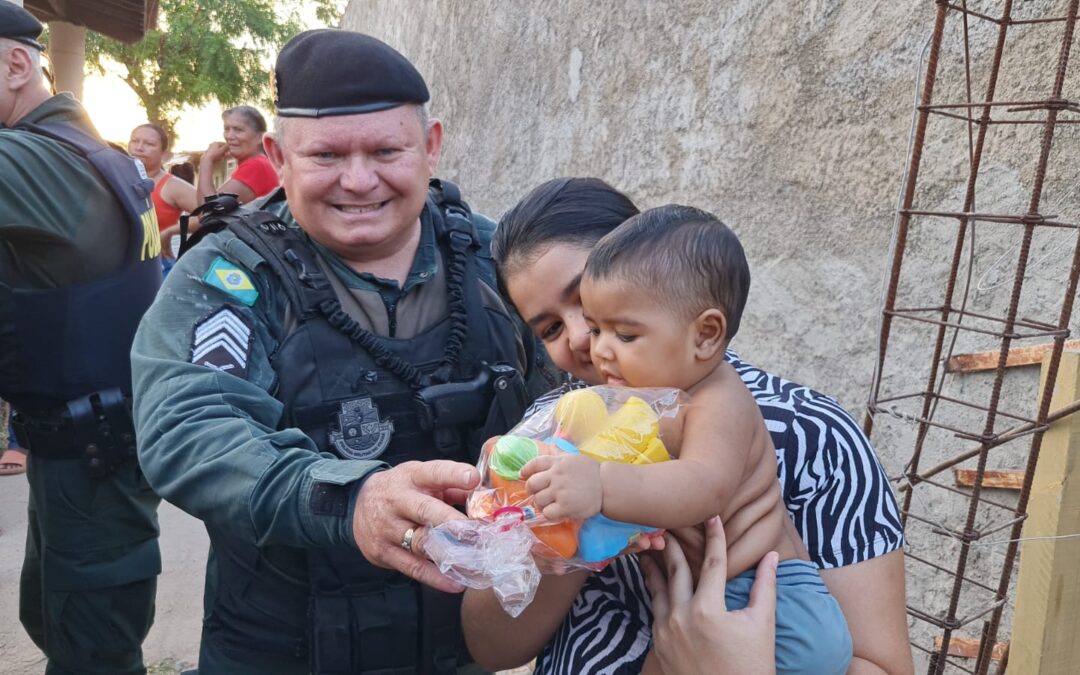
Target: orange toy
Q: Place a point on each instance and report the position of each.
(508, 454)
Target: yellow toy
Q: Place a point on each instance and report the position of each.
(582, 425)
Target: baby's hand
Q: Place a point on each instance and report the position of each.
(565, 486)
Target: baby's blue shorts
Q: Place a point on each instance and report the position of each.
(811, 634)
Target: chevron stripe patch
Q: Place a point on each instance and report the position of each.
(222, 341)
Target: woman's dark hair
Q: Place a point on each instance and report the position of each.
(575, 211)
(160, 131)
(184, 170)
(253, 117)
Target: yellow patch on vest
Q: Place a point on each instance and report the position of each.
(151, 246)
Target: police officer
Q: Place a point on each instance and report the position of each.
(78, 252)
(298, 361)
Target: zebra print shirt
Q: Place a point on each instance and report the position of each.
(837, 495)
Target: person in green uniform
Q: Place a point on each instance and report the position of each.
(76, 274)
(316, 377)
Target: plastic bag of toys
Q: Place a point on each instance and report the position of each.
(507, 540)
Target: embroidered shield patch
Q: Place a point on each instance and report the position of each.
(222, 341)
(360, 433)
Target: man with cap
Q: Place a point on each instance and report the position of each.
(301, 359)
(78, 253)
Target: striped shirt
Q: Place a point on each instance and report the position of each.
(837, 495)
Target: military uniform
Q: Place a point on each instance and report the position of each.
(76, 273)
(262, 417)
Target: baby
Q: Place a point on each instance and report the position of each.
(662, 296)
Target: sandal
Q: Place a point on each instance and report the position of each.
(13, 462)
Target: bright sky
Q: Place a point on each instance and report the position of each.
(115, 110)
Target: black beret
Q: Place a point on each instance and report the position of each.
(328, 72)
(20, 25)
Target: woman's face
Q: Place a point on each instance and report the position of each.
(145, 146)
(546, 294)
(243, 139)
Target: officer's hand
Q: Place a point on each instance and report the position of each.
(410, 495)
(692, 630)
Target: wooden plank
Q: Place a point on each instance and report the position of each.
(1018, 356)
(968, 648)
(1047, 586)
(1008, 479)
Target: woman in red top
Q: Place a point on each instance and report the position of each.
(254, 175)
(172, 196)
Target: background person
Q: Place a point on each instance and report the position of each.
(78, 249)
(184, 171)
(288, 379)
(172, 196)
(836, 492)
(255, 175)
(13, 459)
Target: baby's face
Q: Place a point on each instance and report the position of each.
(636, 340)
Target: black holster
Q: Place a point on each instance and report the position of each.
(97, 429)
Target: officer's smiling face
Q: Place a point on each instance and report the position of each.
(357, 183)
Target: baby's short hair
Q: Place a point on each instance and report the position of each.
(681, 255)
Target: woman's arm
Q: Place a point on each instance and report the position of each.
(498, 641)
(215, 152)
(846, 507)
(872, 597)
(180, 194)
(235, 187)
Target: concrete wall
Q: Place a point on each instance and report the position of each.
(791, 121)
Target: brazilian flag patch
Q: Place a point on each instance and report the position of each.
(233, 280)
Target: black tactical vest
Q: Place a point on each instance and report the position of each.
(59, 344)
(362, 396)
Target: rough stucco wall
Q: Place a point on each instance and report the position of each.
(790, 121)
(769, 115)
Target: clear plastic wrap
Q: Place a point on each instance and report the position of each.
(608, 424)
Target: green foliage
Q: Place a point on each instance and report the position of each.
(206, 50)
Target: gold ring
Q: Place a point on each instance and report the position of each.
(406, 540)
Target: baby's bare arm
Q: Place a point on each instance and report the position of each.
(721, 445)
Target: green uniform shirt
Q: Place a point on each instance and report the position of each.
(75, 230)
(209, 440)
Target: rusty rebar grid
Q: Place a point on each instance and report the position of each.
(1042, 221)
(950, 316)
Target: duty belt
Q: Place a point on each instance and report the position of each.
(96, 428)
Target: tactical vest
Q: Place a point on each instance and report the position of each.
(358, 395)
(64, 352)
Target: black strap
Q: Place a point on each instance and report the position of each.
(213, 218)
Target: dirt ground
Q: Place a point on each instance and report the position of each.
(173, 643)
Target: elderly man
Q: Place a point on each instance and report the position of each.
(78, 266)
(296, 364)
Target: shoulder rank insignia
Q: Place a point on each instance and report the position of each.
(231, 279)
(222, 341)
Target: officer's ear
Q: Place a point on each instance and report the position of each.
(433, 144)
(273, 149)
(20, 67)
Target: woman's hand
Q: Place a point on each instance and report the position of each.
(692, 631)
(215, 152)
